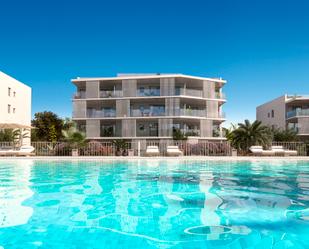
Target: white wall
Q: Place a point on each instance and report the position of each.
(264, 113)
(21, 102)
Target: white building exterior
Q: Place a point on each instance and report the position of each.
(150, 106)
(15, 101)
(286, 112)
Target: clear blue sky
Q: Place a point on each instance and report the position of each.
(260, 47)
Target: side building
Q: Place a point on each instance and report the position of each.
(15, 102)
(149, 107)
(286, 112)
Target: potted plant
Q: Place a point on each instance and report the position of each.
(121, 147)
(75, 139)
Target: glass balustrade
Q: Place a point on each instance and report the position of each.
(145, 92)
(80, 95)
(297, 112)
(188, 92)
(148, 112)
(110, 93)
(191, 112)
(101, 113)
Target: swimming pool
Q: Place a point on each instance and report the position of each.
(154, 204)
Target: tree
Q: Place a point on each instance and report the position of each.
(48, 126)
(13, 135)
(121, 147)
(281, 135)
(6, 135)
(228, 133)
(248, 134)
(74, 138)
(52, 133)
(67, 123)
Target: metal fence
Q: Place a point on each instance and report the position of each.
(138, 148)
(132, 148)
(300, 147)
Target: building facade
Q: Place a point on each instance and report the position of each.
(15, 102)
(286, 112)
(149, 106)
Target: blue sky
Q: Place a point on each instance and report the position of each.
(260, 47)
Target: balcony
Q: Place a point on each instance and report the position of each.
(108, 131)
(191, 112)
(220, 95)
(189, 92)
(297, 112)
(80, 95)
(147, 92)
(101, 113)
(151, 112)
(191, 132)
(110, 93)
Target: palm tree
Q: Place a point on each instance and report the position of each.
(16, 136)
(74, 137)
(228, 132)
(281, 135)
(248, 134)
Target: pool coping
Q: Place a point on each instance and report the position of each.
(189, 158)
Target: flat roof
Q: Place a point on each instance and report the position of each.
(6, 77)
(145, 76)
(291, 98)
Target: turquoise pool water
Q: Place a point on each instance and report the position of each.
(154, 204)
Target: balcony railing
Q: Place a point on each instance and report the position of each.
(220, 95)
(191, 112)
(189, 92)
(191, 132)
(80, 95)
(110, 94)
(146, 113)
(147, 92)
(101, 114)
(298, 112)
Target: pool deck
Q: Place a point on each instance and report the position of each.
(199, 158)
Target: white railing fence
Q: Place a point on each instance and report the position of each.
(138, 148)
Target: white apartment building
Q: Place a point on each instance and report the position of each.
(15, 101)
(149, 106)
(286, 112)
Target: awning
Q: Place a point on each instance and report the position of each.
(15, 126)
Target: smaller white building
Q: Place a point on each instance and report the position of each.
(15, 101)
(287, 112)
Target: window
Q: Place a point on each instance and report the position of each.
(9, 91)
(14, 109)
(14, 94)
(272, 113)
(9, 108)
(268, 115)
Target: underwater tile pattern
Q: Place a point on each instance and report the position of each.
(154, 204)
